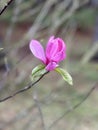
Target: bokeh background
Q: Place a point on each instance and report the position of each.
(51, 103)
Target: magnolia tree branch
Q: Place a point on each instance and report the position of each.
(14, 18)
(23, 89)
(22, 114)
(27, 111)
(38, 105)
(4, 4)
(75, 106)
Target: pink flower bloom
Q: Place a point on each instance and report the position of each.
(55, 52)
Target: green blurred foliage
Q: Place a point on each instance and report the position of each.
(86, 17)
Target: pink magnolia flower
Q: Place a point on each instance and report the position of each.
(54, 53)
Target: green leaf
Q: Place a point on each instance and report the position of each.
(38, 71)
(66, 76)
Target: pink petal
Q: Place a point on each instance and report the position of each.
(51, 66)
(51, 47)
(59, 57)
(60, 53)
(55, 50)
(37, 50)
(51, 38)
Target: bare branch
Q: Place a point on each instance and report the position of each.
(75, 106)
(16, 12)
(4, 5)
(37, 103)
(24, 113)
(89, 54)
(23, 89)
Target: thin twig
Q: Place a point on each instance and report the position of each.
(24, 113)
(74, 107)
(23, 89)
(39, 110)
(16, 11)
(32, 118)
(90, 53)
(36, 25)
(21, 114)
(6, 5)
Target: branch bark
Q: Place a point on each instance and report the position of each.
(74, 107)
(4, 4)
(23, 89)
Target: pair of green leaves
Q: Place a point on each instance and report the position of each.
(40, 70)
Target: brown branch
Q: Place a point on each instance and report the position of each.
(74, 107)
(24, 113)
(5, 6)
(38, 105)
(23, 89)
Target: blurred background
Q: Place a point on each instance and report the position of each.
(52, 103)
